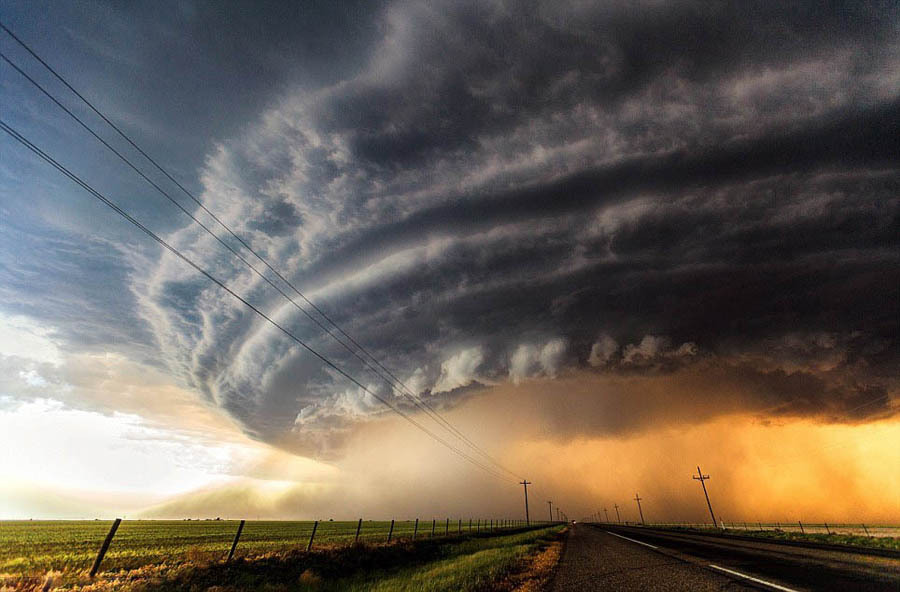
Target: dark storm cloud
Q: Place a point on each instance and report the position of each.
(182, 74)
(503, 188)
(491, 192)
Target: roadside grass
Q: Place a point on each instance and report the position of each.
(472, 565)
(892, 543)
(459, 563)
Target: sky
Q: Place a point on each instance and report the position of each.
(608, 242)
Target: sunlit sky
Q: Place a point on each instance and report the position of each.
(607, 241)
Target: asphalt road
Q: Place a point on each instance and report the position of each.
(603, 558)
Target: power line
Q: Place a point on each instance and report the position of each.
(112, 205)
(393, 381)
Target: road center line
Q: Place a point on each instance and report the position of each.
(751, 578)
(632, 540)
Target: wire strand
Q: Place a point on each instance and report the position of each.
(391, 378)
(112, 205)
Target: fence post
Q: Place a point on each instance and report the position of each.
(105, 545)
(459, 527)
(358, 528)
(416, 529)
(478, 526)
(470, 525)
(866, 530)
(801, 527)
(433, 522)
(391, 531)
(760, 526)
(234, 543)
(827, 530)
(312, 536)
(447, 527)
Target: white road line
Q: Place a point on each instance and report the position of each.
(632, 540)
(752, 579)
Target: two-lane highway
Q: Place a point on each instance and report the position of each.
(620, 558)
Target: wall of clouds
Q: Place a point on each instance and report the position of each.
(508, 191)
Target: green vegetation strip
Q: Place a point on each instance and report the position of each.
(891, 543)
(474, 562)
(470, 565)
(172, 551)
(35, 547)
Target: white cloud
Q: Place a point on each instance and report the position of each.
(656, 348)
(552, 355)
(522, 361)
(459, 370)
(646, 350)
(24, 338)
(602, 351)
(417, 383)
(118, 451)
(530, 360)
(32, 378)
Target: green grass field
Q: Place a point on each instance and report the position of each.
(35, 547)
(834, 538)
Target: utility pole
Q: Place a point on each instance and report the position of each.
(526, 484)
(605, 513)
(637, 498)
(701, 478)
(618, 520)
(549, 503)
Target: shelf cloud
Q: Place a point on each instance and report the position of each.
(498, 193)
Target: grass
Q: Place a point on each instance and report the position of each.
(35, 547)
(470, 565)
(882, 542)
(176, 555)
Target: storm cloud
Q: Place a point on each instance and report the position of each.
(503, 192)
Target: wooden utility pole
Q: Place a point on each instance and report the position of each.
(526, 484)
(637, 498)
(558, 519)
(605, 513)
(618, 520)
(549, 503)
(701, 478)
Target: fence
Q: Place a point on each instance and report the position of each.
(229, 536)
